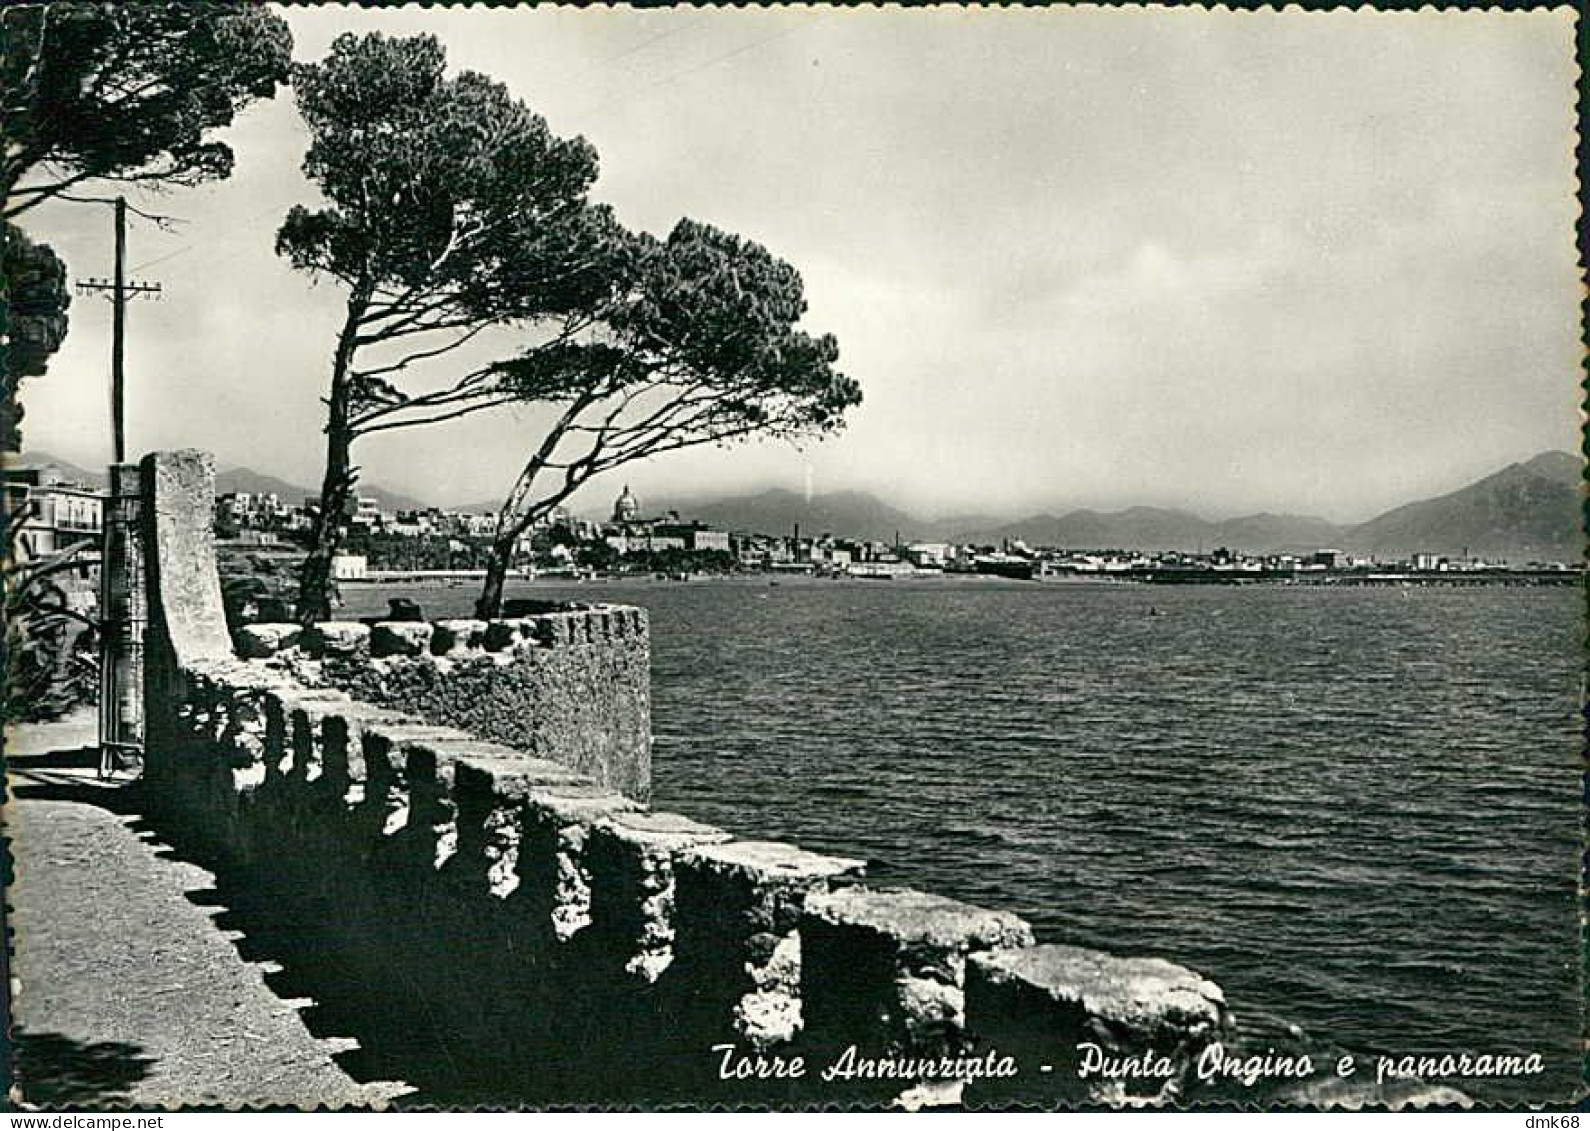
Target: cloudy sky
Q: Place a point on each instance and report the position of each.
(1298, 262)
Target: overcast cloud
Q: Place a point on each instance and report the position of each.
(1263, 261)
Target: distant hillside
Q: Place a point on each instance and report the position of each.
(233, 479)
(67, 468)
(844, 514)
(257, 483)
(254, 482)
(1528, 509)
(1525, 509)
(1279, 532)
(1155, 528)
(856, 514)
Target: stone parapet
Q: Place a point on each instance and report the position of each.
(636, 850)
(1079, 1010)
(738, 908)
(885, 968)
(568, 685)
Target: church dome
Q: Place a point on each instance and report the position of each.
(627, 508)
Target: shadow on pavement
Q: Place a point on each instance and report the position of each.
(52, 1071)
(83, 758)
(269, 927)
(35, 782)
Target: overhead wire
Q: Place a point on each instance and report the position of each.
(602, 64)
(668, 80)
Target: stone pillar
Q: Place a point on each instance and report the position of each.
(404, 805)
(518, 884)
(186, 621)
(883, 970)
(612, 973)
(305, 766)
(491, 794)
(280, 795)
(554, 876)
(1065, 1013)
(630, 856)
(211, 774)
(738, 909)
(292, 741)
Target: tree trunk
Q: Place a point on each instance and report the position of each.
(510, 524)
(516, 514)
(489, 605)
(317, 589)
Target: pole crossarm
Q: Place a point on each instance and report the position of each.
(132, 288)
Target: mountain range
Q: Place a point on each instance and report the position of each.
(1530, 508)
(1526, 509)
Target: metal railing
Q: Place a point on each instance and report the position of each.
(122, 619)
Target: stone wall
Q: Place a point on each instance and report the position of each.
(570, 685)
(555, 941)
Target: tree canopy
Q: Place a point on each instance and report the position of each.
(128, 91)
(33, 320)
(450, 208)
(38, 298)
(431, 183)
(700, 345)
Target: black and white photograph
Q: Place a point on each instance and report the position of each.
(795, 558)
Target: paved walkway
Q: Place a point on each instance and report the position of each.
(127, 993)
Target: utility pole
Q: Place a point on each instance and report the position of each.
(118, 338)
(121, 602)
(120, 291)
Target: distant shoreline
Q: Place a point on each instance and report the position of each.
(1445, 580)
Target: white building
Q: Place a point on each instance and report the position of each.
(928, 555)
(57, 513)
(350, 567)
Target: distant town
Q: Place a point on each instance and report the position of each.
(385, 545)
(413, 545)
